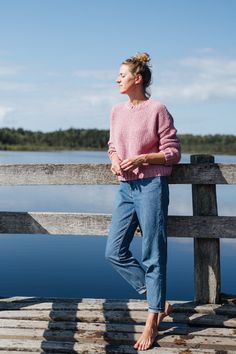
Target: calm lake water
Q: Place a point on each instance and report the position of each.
(74, 266)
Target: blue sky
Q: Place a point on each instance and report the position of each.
(59, 60)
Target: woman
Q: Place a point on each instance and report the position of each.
(142, 147)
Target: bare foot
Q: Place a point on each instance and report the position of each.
(149, 333)
(162, 315)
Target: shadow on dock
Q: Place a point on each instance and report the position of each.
(120, 327)
(60, 334)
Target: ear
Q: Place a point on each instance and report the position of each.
(138, 79)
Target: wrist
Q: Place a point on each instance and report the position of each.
(115, 157)
(145, 158)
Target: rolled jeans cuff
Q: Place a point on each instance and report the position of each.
(156, 311)
(142, 291)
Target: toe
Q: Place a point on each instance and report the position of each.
(141, 346)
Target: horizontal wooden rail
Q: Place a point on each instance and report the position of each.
(71, 174)
(56, 223)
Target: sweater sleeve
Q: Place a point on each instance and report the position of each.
(111, 147)
(168, 142)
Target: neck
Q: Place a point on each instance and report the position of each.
(137, 97)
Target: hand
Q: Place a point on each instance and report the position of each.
(132, 162)
(115, 165)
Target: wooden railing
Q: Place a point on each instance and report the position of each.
(205, 226)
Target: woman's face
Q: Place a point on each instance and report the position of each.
(126, 80)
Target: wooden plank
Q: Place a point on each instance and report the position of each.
(17, 352)
(47, 346)
(186, 351)
(71, 174)
(34, 303)
(76, 305)
(161, 350)
(101, 337)
(116, 338)
(114, 305)
(185, 329)
(35, 346)
(118, 317)
(59, 223)
(86, 328)
(81, 331)
(169, 341)
(202, 319)
(54, 223)
(32, 299)
(218, 309)
(206, 251)
(55, 347)
(228, 298)
(204, 173)
(56, 174)
(206, 227)
(192, 341)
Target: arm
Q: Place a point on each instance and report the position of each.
(115, 160)
(155, 158)
(168, 142)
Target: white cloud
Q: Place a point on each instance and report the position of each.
(16, 86)
(205, 51)
(4, 112)
(10, 82)
(6, 70)
(101, 75)
(209, 67)
(198, 78)
(97, 99)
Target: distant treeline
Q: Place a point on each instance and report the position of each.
(94, 139)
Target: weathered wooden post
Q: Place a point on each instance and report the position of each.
(206, 251)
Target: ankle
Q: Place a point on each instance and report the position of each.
(152, 318)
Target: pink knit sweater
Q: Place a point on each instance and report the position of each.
(142, 129)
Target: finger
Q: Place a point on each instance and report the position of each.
(126, 164)
(116, 170)
(113, 169)
(127, 168)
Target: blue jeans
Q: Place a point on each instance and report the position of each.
(142, 202)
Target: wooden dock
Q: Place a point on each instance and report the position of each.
(34, 325)
(40, 325)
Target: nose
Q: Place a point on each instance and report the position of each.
(118, 80)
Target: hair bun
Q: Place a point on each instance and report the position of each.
(143, 57)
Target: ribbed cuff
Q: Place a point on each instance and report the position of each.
(171, 157)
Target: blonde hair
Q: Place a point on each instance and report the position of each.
(138, 64)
